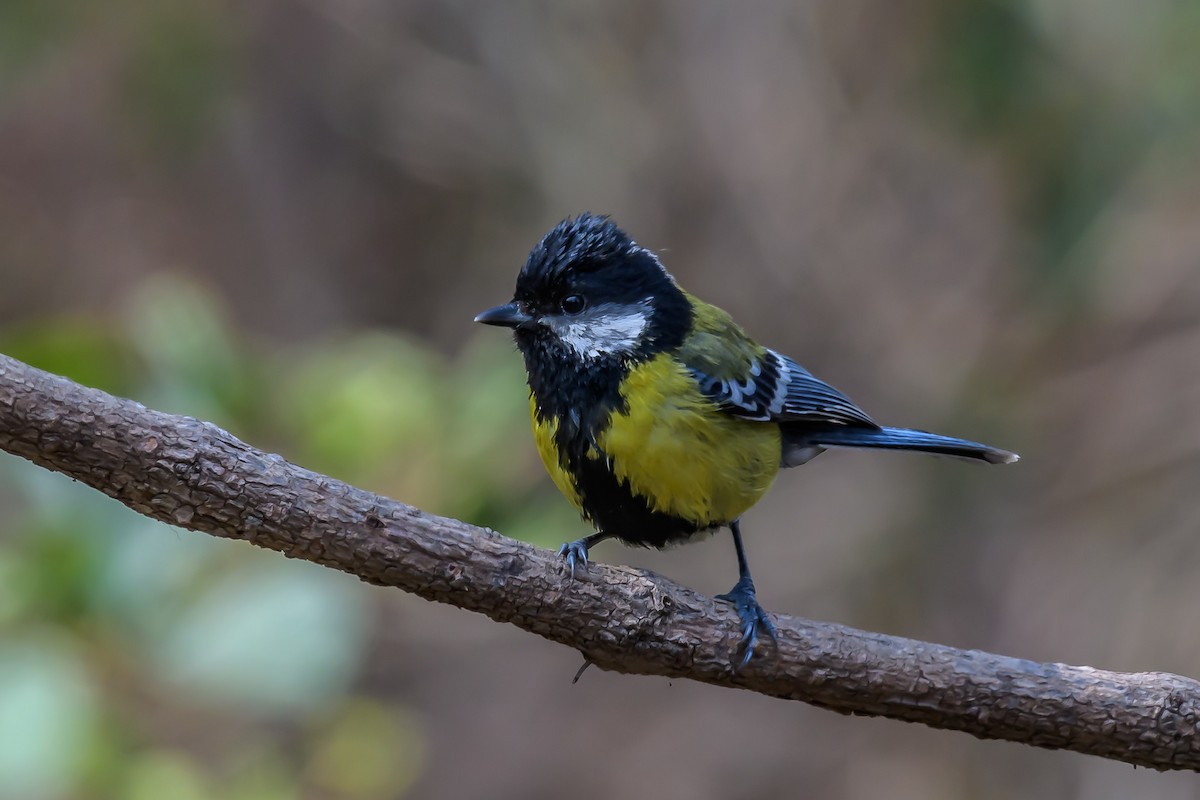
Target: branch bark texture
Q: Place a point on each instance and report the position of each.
(193, 474)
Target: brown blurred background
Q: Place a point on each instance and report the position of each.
(974, 217)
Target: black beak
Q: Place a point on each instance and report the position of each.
(509, 315)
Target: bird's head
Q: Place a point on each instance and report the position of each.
(588, 293)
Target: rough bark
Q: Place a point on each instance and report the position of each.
(193, 474)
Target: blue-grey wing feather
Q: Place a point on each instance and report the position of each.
(777, 389)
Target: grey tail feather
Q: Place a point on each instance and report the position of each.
(908, 439)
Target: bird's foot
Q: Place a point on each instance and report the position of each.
(574, 553)
(754, 619)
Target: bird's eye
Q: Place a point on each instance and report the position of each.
(572, 304)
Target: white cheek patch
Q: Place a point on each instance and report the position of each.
(605, 330)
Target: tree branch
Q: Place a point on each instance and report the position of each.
(192, 474)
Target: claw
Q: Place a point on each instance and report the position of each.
(753, 619)
(573, 553)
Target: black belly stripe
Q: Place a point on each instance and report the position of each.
(615, 509)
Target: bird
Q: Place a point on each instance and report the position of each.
(657, 416)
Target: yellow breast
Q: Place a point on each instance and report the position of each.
(676, 450)
(688, 458)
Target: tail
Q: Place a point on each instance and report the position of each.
(907, 439)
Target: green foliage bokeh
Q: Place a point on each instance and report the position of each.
(118, 633)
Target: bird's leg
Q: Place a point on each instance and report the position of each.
(576, 552)
(744, 600)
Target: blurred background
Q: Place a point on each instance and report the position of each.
(974, 217)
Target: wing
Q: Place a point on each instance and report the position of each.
(749, 381)
(775, 388)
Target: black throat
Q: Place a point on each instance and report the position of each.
(578, 395)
